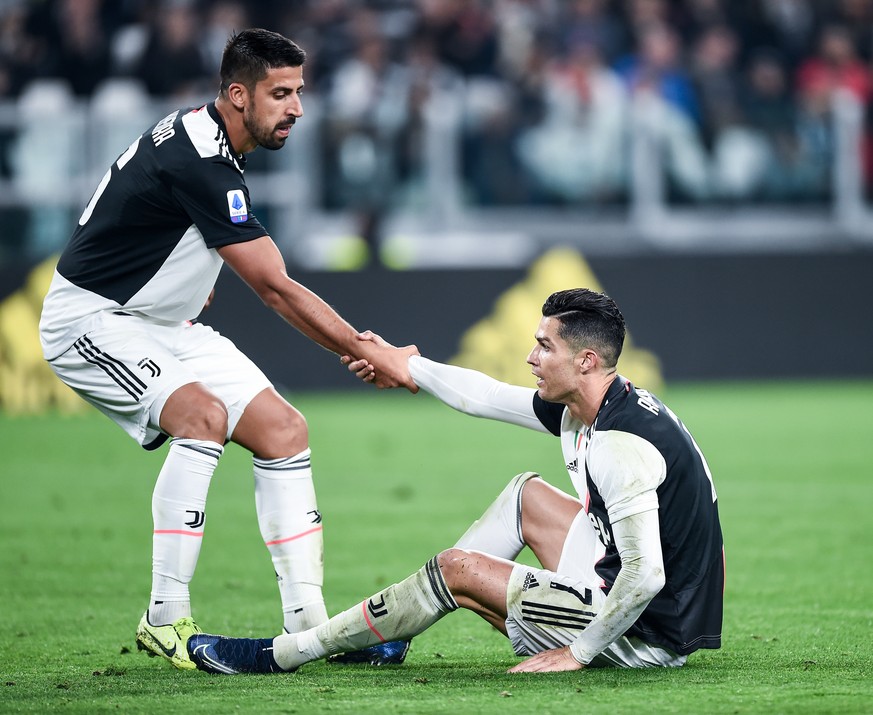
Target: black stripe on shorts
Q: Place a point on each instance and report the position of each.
(120, 374)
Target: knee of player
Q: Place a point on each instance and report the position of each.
(209, 421)
(289, 432)
(455, 565)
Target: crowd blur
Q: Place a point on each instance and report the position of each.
(545, 92)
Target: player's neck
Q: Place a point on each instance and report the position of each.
(585, 403)
(237, 134)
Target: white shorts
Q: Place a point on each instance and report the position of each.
(546, 610)
(127, 368)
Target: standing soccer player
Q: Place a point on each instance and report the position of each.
(116, 327)
(632, 570)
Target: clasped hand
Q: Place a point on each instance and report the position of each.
(394, 372)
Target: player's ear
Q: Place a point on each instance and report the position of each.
(586, 360)
(238, 95)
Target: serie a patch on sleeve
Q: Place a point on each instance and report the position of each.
(236, 205)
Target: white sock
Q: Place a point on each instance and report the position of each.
(401, 611)
(498, 531)
(179, 515)
(291, 527)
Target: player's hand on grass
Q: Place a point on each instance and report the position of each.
(395, 363)
(549, 661)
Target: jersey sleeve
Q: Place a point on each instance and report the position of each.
(475, 393)
(641, 577)
(215, 196)
(627, 471)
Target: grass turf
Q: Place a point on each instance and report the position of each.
(400, 478)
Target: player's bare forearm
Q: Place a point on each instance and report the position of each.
(262, 267)
(389, 364)
(549, 661)
(260, 264)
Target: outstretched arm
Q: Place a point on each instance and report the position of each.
(260, 264)
(475, 393)
(468, 391)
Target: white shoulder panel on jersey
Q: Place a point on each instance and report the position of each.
(206, 137)
(627, 470)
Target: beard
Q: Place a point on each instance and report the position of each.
(265, 136)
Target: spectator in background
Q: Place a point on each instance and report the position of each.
(836, 65)
(769, 117)
(23, 51)
(80, 48)
(431, 83)
(501, 51)
(856, 16)
(223, 18)
(716, 76)
(325, 30)
(19, 57)
(666, 103)
(642, 14)
(586, 109)
(521, 25)
(589, 23)
(499, 110)
(367, 109)
(464, 33)
(657, 66)
(490, 164)
(172, 64)
(789, 25)
(700, 15)
(11, 242)
(736, 156)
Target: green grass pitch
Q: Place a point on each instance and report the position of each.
(399, 478)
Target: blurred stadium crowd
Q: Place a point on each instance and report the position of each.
(544, 92)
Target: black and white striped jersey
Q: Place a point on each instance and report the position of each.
(638, 456)
(146, 242)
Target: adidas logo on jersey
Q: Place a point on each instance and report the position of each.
(529, 581)
(573, 466)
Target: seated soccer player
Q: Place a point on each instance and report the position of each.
(632, 567)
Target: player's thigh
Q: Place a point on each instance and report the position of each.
(126, 373)
(222, 367)
(547, 513)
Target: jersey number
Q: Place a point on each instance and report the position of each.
(104, 182)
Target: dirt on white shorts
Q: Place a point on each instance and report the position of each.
(546, 610)
(127, 368)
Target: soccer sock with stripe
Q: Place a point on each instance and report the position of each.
(401, 611)
(179, 514)
(498, 531)
(291, 528)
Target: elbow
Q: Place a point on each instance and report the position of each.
(271, 298)
(270, 294)
(654, 581)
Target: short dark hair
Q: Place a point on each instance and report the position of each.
(249, 54)
(588, 320)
